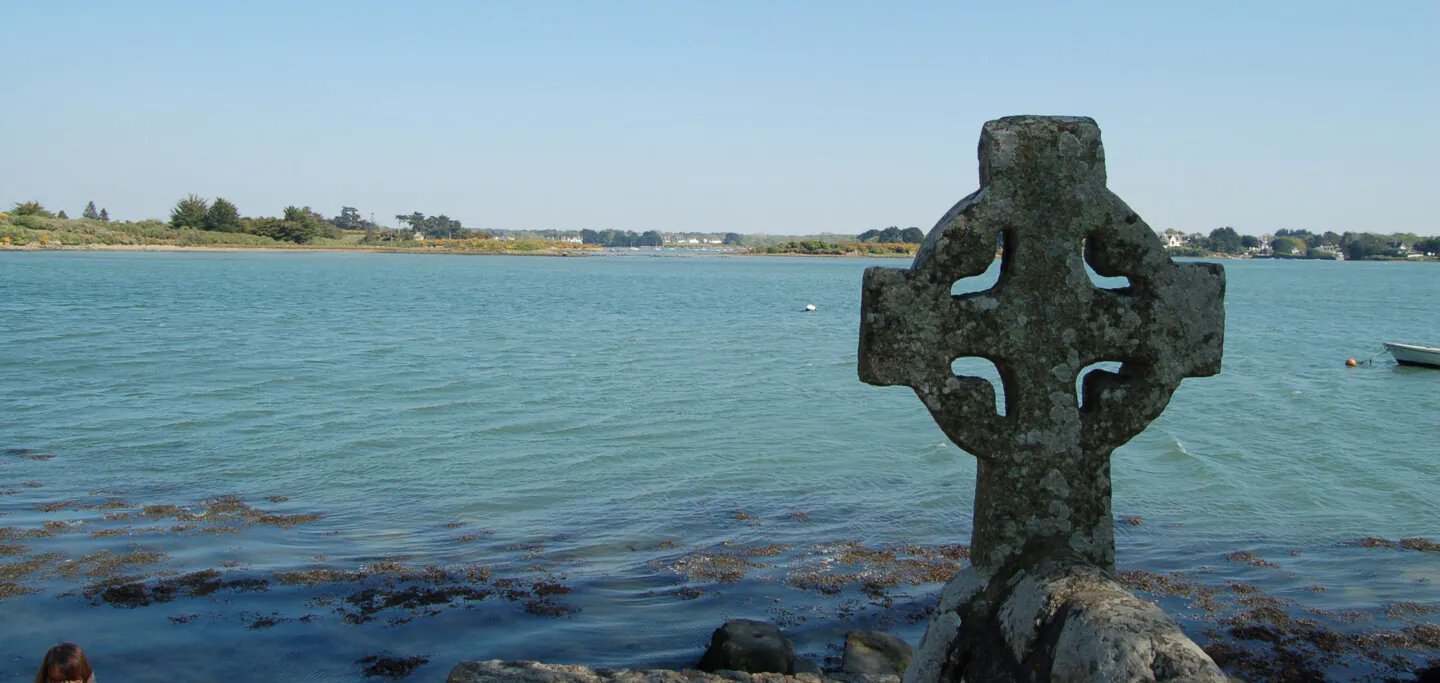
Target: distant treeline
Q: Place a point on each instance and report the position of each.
(1354, 246)
(622, 238)
(822, 248)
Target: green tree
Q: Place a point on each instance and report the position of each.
(298, 225)
(912, 236)
(90, 213)
(1225, 240)
(105, 215)
(30, 209)
(730, 238)
(62, 215)
(652, 238)
(1249, 241)
(222, 216)
(190, 212)
(1285, 245)
(349, 219)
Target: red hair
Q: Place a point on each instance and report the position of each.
(64, 662)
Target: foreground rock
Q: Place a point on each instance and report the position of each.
(753, 647)
(873, 652)
(497, 671)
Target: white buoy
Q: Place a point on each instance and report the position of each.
(809, 307)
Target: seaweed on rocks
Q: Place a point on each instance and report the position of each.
(386, 666)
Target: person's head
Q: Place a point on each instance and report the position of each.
(64, 662)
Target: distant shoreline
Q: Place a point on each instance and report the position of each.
(398, 250)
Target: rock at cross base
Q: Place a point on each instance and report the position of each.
(874, 652)
(1042, 492)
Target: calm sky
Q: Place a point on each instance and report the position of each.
(767, 116)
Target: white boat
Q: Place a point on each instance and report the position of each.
(1414, 354)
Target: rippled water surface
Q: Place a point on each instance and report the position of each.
(596, 421)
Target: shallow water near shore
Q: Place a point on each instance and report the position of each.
(633, 449)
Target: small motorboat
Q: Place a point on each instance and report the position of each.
(1414, 354)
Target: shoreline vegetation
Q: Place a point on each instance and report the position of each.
(197, 224)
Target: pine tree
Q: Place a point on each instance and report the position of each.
(222, 216)
(190, 212)
(90, 213)
(105, 215)
(62, 215)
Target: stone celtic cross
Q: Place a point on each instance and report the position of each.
(1043, 488)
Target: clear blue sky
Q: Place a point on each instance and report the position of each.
(764, 116)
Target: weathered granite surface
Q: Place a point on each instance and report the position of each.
(498, 671)
(1043, 546)
(875, 652)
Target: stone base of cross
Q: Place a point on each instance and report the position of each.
(1042, 495)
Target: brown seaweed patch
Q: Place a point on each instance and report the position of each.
(111, 504)
(316, 577)
(277, 499)
(34, 564)
(9, 492)
(168, 512)
(8, 549)
(106, 563)
(218, 530)
(1249, 558)
(135, 591)
(467, 538)
(687, 593)
(57, 506)
(1401, 610)
(11, 533)
(1425, 635)
(32, 484)
(288, 521)
(118, 516)
(10, 589)
(1371, 542)
(764, 551)
(106, 533)
(714, 567)
(394, 668)
(257, 621)
(107, 492)
(1421, 544)
(362, 606)
(1132, 520)
(875, 571)
(37, 456)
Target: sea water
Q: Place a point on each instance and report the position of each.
(597, 421)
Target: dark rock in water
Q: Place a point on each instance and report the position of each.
(805, 666)
(873, 652)
(749, 646)
(1429, 674)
